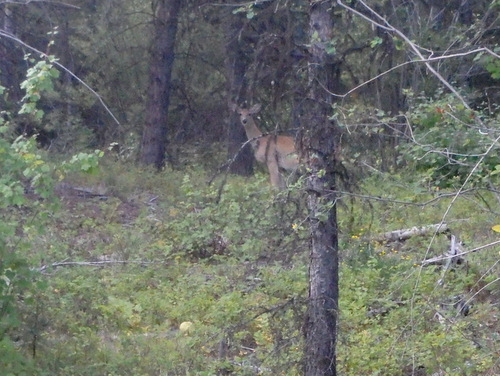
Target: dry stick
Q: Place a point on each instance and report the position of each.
(402, 202)
(449, 256)
(404, 234)
(474, 249)
(25, 2)
(55, 62)
(97, 263)
(227, 166)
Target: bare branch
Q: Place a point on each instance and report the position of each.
(98, 263)
(26, 2)
(441, 196)
(416, 61)
(479, 248)
(447, 256)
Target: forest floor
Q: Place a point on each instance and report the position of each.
(132, 255)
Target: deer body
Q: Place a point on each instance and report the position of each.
(277, 152)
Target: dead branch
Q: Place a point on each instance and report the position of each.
(441, 259)
(97, 263)
(89, 192)
(451, 257)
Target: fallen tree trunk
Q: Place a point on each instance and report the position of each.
(399, 235)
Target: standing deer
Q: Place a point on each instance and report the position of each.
(277, 152)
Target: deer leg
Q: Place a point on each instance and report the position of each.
(274, 172)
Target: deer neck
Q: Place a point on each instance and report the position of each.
(251, 129)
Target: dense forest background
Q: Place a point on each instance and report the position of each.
(114, 262)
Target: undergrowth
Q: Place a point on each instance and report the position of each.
(117, 273)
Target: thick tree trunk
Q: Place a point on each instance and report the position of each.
(64, 53)
(318, 151)
(10, 57)
(236, 67)
(154, 136)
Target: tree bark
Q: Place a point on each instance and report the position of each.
(318, 151)
(10, 57)
(154, 136)
(236, 65)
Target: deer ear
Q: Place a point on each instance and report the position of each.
(255, 108)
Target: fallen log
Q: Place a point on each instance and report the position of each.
(400, 235)
(89, 192)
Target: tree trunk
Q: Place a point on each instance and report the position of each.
(318, 151)
(65, 55)
(236, 67)
(10, 57)
(154, 136)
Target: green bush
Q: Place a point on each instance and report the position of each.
(447, 142)
(27, 200)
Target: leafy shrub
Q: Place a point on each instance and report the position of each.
(447, 142)
(391, 320)
(241, 221)
(27, 199)
(22, 170)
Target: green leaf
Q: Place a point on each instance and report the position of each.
(377, 41)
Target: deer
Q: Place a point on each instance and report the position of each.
(276, 151)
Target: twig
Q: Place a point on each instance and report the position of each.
(98, 263)
(402, 202)
(478, 248)
(26, 2)
(226, 166)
